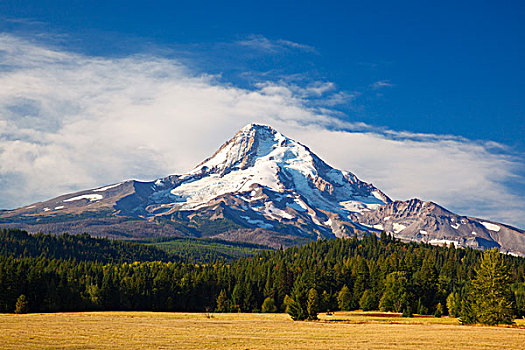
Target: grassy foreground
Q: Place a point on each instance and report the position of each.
(148, 330)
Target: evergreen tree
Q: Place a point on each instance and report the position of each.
(295, 310)
(238, 297)
(395, 297)
(312, 307)
(426, 284)
(77, 283)
(325, 302)
(491, 290)
(519, 299)
(454, 304)
(298, 303)
(368, 301)
(223, 304)
(467, 315)
(344, 299)
(268, 286)
(361, 277)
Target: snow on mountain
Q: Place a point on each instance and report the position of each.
(416, 220)
(263, 187)
(260, 156)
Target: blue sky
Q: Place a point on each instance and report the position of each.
(409, 71)
(454, 67)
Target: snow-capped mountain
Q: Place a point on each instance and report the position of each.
(262, 187)
(415, 220)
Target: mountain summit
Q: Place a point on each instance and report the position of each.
(262, 187)
(260, 157)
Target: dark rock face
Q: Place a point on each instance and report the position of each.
(260, 187)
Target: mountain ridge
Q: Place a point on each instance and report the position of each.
(262, 187)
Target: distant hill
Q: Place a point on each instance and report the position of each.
(83, 247)
(202, 250)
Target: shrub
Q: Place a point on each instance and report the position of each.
(439, 311)
(22, 305)
(268, 305)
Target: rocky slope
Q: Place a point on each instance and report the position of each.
(261, 187)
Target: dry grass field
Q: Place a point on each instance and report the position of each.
(344, 330)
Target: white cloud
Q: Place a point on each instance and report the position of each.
(465, 177)
(259, 42)
(70, 122)
(381, 84)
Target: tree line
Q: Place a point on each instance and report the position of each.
(322, 276)
(83, 247)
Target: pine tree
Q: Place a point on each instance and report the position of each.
(298, 303)
(491, 290)
(519, 297)
(467, 315)
(223, 304)
(237, 296)
(80, 285)
(312, 307)
(395, 297)
(325, 302)
(268, 286)
(362, 277)
(454, 304)
(294, 309)
(426, 283)
(368, 301)
(344, 299)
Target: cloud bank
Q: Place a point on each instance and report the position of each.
(70, 122)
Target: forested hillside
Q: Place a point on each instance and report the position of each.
(205, 250)
(18, 243)
(346, 274)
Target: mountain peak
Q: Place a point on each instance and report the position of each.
(259, 156)
(250, 142)
(255, 126)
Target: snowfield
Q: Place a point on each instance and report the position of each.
(102, 189)
(490, 226)
(444, 241)
(91, 197)
(398, 227)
